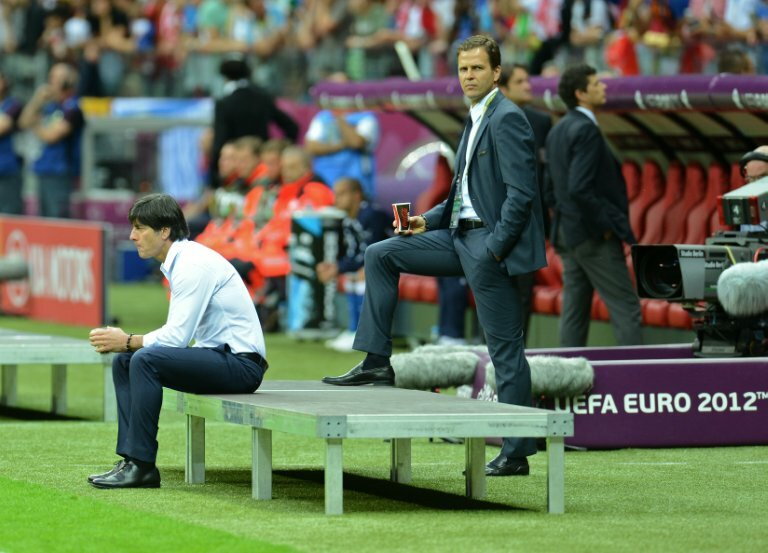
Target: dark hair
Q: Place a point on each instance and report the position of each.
(734, 61)
(508, 70)
(235, 69)
(486, 43)
(159, 211)
(574, 78)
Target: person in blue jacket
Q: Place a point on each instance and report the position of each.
(54, 117)
(10, 162)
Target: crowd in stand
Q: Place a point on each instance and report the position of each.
(174, 47)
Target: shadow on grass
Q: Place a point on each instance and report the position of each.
(304, 484)
(23, 414)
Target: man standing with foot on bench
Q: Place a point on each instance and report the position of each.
(210, 305)
(489, 229)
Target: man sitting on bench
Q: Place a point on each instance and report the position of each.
(210, 304)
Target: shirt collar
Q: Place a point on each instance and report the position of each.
(477, 111)
(588, 113)
(230, 86)
(173, 251)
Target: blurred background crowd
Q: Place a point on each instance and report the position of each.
(174, 47)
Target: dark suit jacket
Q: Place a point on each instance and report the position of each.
(502, 187)
(590, 195)
(247, 111)
(541, 123)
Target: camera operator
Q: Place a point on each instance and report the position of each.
(754, 166)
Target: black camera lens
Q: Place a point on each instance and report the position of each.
(658, 273)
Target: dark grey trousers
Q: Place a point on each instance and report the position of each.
(139, 379)
(445, 253)
(598, 265)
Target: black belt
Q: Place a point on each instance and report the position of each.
(255, 357)
(469, 224)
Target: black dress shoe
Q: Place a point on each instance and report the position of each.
(130, 476)
(380, 376)
(110, 472)
(507, 466)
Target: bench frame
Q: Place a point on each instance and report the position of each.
(19, 348)
(400, 428)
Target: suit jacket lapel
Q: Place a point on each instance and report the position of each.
(461, 153)
(484, 122)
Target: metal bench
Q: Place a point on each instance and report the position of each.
(309, 408)
(21, 348)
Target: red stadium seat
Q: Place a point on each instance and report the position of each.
(651, 190)
(699, 218)
(694, 193)
(655, 312)
(656, 217)
(678, 317)
(631, 172)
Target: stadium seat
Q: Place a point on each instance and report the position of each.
(652, 188)
(699, 218)
(694, 192)
(657, 217)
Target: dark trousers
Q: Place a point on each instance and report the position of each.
(10, 194)
(524, 284)
(445, 253)
(53, 193)
(598, 264)
(139, 379)
(452, 295)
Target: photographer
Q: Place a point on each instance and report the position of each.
(754, 166)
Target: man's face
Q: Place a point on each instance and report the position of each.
(518, 87)
(292, 167)
(227, 161)
(59, 78)
(271, 159)
(476, 76)
(594, 95)
(755, 170)
(246, 162)
(148, 241)
(346, 198)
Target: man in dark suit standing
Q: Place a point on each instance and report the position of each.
(591, 215)
(489, 229)
(516, 85)
(244, 110)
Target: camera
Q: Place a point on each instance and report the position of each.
(689, 273)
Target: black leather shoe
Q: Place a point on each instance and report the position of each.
(507, 466)
(380, 376)
(130, 476)
(110, 472)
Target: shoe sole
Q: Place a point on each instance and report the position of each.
(143, 486)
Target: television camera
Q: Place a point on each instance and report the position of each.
(690, 274)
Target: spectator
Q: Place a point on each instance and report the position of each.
(369, 53)
(323, 28)
(10, 162)
(735, 61)
(110, 29)
(362, 225)
(754, 166)
(55, 118)
(343, 145)
(591, 215)
(245, 110)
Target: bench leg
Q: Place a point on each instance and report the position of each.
(400, 468)
(59, 389)
(109, 404)
(10, 397)
(334, 477)
(474, 470)
(194, 468)
(556, 475)
(261, 468)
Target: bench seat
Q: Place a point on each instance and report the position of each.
(333, 414)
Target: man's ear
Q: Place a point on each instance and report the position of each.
(165, 232)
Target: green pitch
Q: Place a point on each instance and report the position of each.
(705, 499)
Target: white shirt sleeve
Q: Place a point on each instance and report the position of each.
(315, 130)
(368, 128)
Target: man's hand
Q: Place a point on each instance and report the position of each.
(326, 271)
(418, 224)
(108, 339)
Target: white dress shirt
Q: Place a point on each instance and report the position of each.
(209, 303)
(476, 112)
(589, 113)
